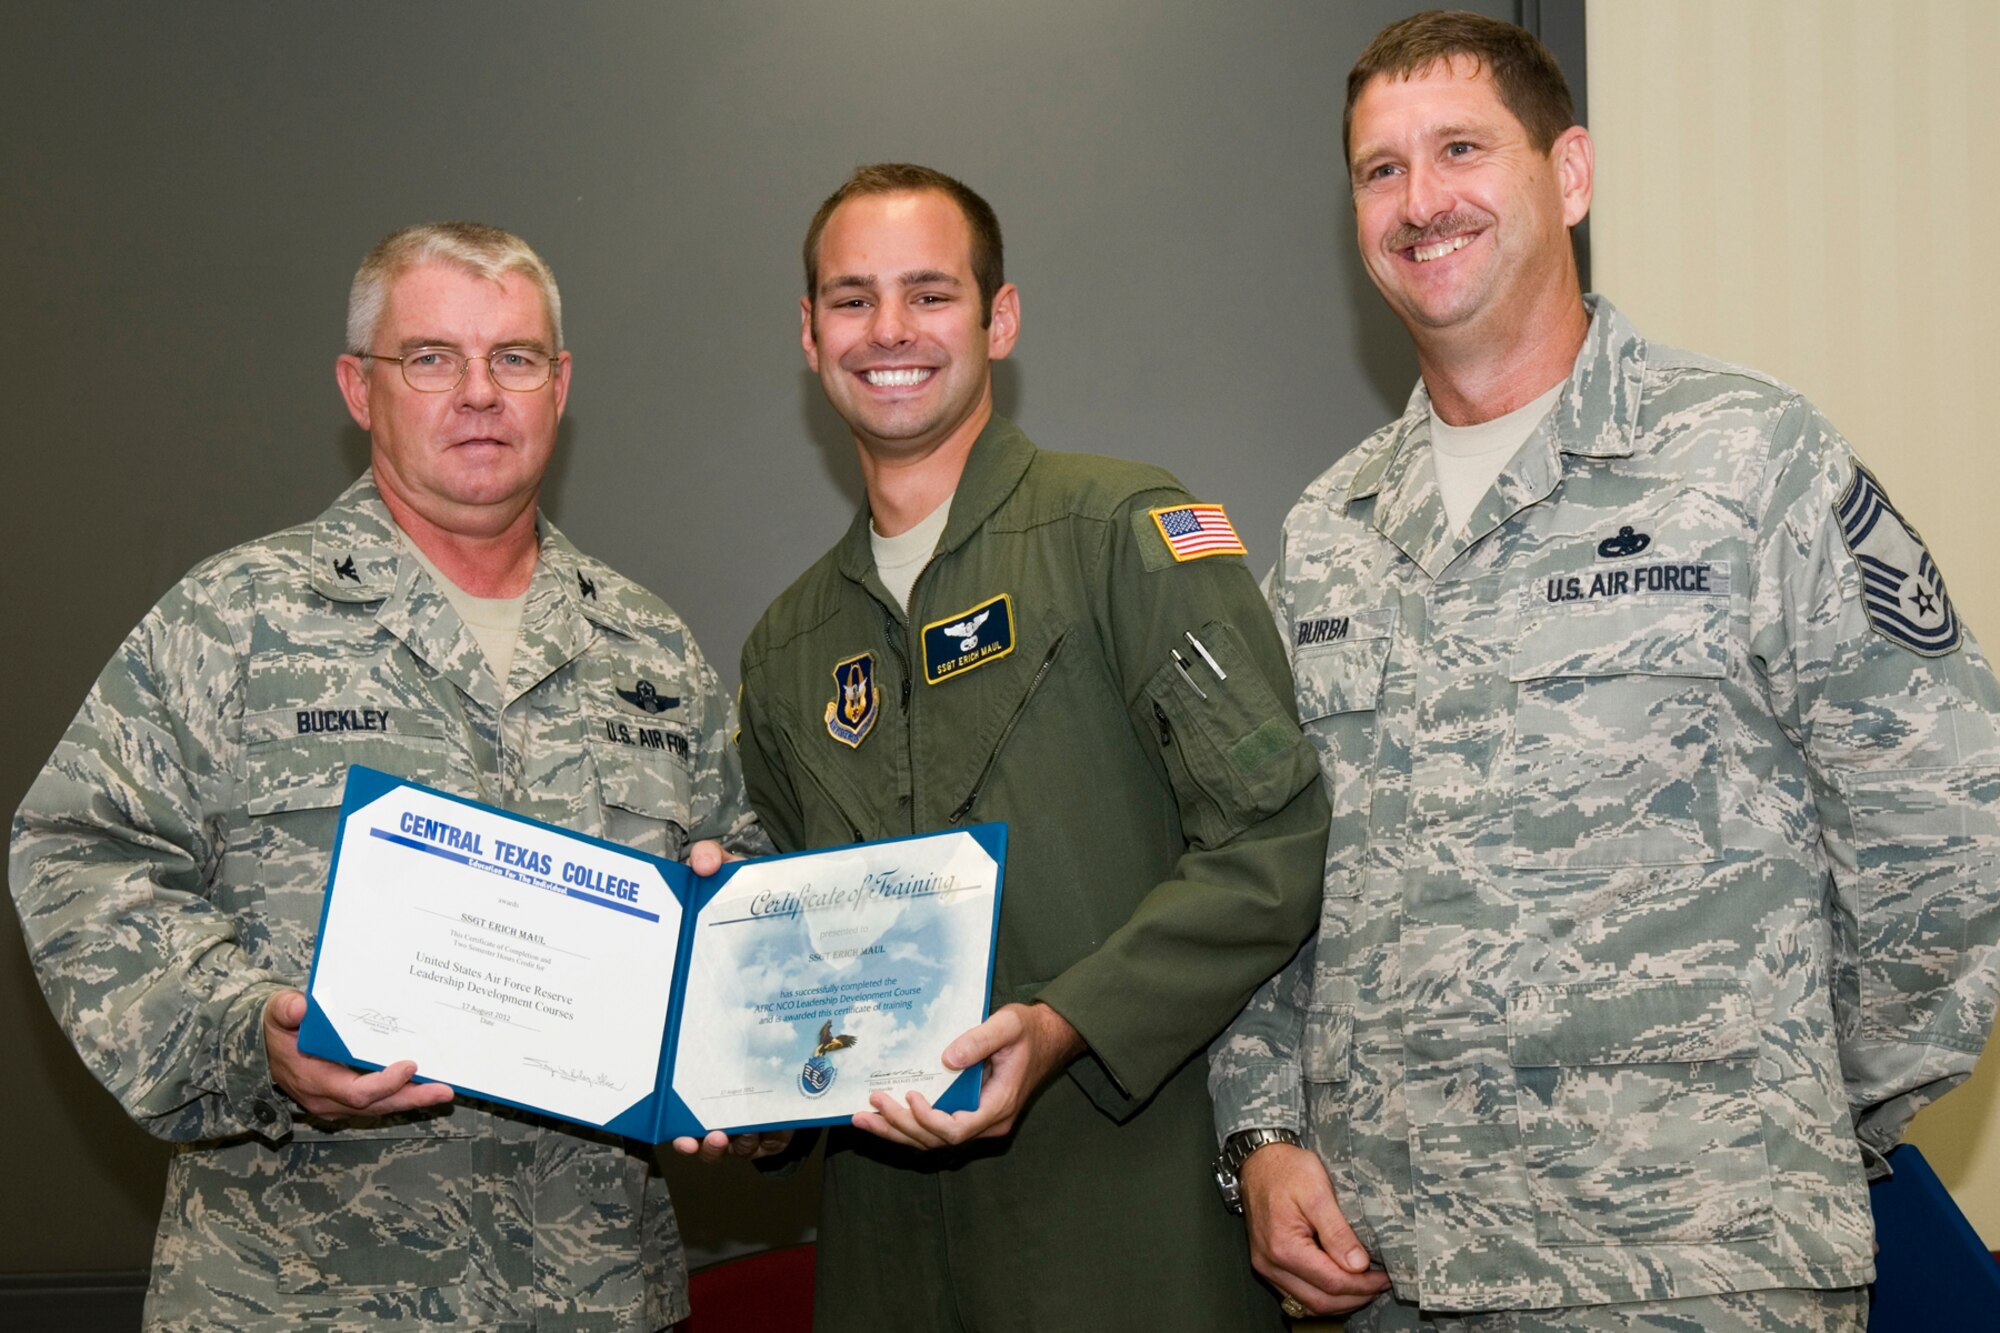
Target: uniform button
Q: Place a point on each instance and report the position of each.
(263, 1112)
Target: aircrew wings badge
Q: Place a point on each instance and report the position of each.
(1197, 530)
(1901, 588)
(851, 713)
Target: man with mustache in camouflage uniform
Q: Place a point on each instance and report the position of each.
(1659, 891)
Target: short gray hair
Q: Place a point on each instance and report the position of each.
(483, 251)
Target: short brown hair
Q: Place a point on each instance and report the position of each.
(988, 257)
(1530, 83)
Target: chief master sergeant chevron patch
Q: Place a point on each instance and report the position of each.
(1902, 588)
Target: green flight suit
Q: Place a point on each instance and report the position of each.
(1165, 840)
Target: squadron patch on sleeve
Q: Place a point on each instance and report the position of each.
(851, 713)
(1902, 590)
(1197, 530)
(972, 638)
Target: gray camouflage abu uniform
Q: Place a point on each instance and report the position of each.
(1661, 885)
(169, 862)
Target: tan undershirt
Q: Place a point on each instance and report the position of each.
(1469, 459)
(495, 622)
(899, 559)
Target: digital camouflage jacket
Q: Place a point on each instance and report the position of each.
(168, 866)
(1661, 887)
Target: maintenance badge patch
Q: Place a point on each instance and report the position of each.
(972, 638)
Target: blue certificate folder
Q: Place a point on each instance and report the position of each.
(528, 965)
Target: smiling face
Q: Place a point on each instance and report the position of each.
(470, 460)
(1463, 224)
(894, 330)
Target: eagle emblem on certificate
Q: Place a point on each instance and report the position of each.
(818, 1073)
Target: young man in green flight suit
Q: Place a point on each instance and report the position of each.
(1072, 645)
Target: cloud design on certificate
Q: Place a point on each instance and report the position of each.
(846, 968)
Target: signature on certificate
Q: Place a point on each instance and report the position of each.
(377, 1021)
(570, 1074)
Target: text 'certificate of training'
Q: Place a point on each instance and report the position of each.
(816, 980)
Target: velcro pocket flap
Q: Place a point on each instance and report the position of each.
(1654, 636)
(1329, 1038)
(1345, 676)
(287, 768)
(1628, 1022)
(645, 782)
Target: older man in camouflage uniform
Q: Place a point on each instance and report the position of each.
(169, 862)
(1659, 893)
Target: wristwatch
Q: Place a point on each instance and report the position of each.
(1235, 1149)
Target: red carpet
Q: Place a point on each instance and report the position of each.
(770, 1292)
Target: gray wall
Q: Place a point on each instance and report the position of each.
(187, 189)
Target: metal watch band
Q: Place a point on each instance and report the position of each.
(1235, 1150)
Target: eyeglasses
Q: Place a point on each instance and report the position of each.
(440, 369)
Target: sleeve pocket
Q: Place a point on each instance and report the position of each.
(1230, 746)
(1329, 1038)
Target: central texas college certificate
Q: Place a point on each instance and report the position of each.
(567, 975)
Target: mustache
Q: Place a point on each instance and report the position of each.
(1451, 224)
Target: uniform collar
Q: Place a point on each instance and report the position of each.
(358, 556)
(355, 550)
(998, 460)
(1596, 416)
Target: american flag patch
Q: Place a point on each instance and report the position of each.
(1193, 531)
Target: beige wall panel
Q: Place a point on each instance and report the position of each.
(1806, 186)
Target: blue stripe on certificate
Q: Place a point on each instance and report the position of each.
(511, 873)
(414, 845)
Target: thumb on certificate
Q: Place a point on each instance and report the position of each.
(979, 1043)
(286, 1010)
(705, 857)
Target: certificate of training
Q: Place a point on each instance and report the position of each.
(817, 980)
(563, 974)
